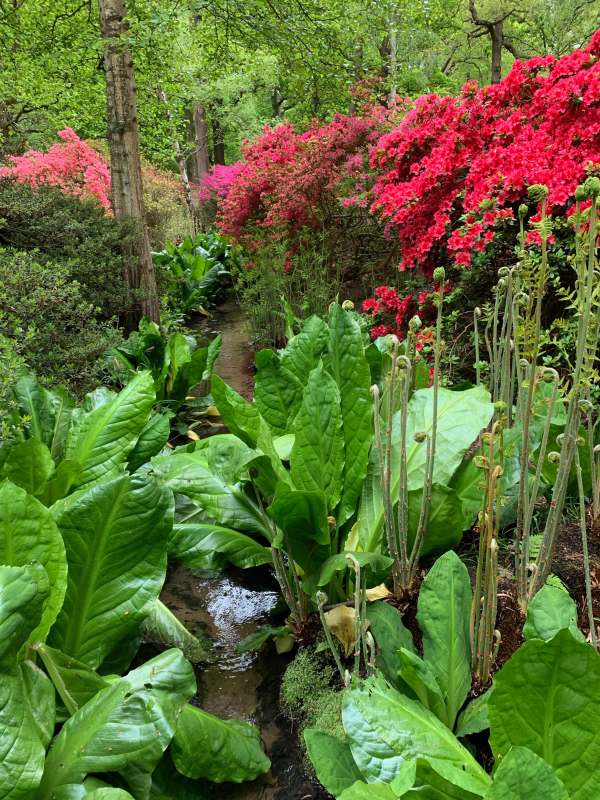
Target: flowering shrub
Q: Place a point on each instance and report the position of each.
(218, 181)
(72, 166)
(452, 172)
(391, 313)
(291, 184)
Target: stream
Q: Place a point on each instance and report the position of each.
(227, 607)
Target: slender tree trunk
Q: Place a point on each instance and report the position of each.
(181, 163)
(125, 166)
(497, 36)
(200, 128)
(218, 143)
(393, 56)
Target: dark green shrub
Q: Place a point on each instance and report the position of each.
(54, 329)
(77, 233)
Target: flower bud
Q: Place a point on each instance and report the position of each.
(500, 405)
(580, 441)
(560, 439)
(321, 599)
(415, 323)
(523, 363)
(420, 436)
(523, 209)
(348, 305)
(585, 406)
(480, 462)
(477, 312)
(439, 274)
(580, 193)
(331, 522)
(549, 376)
(503, 272)
(554, 457)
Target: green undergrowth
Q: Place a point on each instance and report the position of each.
(308, 697)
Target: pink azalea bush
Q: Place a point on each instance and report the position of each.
(71, 165)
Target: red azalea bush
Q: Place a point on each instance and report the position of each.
(72, 166)
(292, 184)
(453, 171)
(391, 313)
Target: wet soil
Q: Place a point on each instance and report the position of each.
(236, 359)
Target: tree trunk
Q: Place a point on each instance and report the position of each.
(496, 30)
(200, 128)
(181, 163)
(125, 167)
(218, 139)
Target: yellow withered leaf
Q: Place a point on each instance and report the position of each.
(378, 593)
(342, 621)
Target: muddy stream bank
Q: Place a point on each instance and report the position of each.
(227, 607)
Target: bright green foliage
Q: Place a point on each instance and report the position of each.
(220, 750)
(332, 759)
(23, 590)
(317, 458)
(138, 712)
(201, 267)
(203, 545)
(550, 611)
(547, 698)
(522, 775)
(443, 615)
(386, 625)
(28, 533)
(115, 538)
(461, 417)
(177, 364)
(351, 371)
(102, 435)
(377, 719)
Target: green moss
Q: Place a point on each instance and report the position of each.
(307, 694)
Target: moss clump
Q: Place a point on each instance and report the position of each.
(307, 694)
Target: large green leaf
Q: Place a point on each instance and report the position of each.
(40, 697)
(445, 523)
(435, 783)
(101, 439)
(153, 437)
(219, 750)
(387, 728)
(245, 421)
(522, 775)
(443, 614)
(350, 369)
(222, 497)
(35, 403)
(277, 392)
(474, 718)
(332, 759)
(461, 417)
(376, 566)
(302, 520)
(317, 458)
(115, 537)
(468, 483)
(23, 590)
(28, 533)
(390, 635)
(551, 610)
(28, 465)
(207, 546)
(303, 351)
(418, 675)
(75, 682)
(547, 698)
(128, 724)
